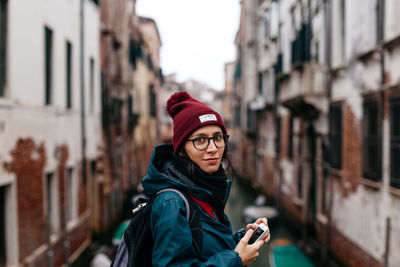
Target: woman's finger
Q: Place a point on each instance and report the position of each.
(247, 236)
(267, 237)
(257, 245)
(251, 226)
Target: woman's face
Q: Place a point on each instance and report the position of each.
(210, 158)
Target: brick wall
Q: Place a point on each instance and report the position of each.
(352, 152)
(27, 163)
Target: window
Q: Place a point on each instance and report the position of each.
(264, 27)
(116, 108)
(3, 48)
(260, 83)
(300, 180)
(91, 85)
(131, 116)
(278, 136)
(93, 169)
(71, 195)
(51, 197)
(371, 145)
(251, 125)
(3, 252)
(267, 19)
(395, 142)
(68, 74)
(264, 87)
(290, 143)
(236, 115)
(335, 137)
(300, 168)
(48, 49)
(153, 103)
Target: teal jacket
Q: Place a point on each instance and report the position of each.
(170, 229)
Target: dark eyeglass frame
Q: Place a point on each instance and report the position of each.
(225, 137)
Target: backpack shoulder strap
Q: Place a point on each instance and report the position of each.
(183, 198)
(192, 218)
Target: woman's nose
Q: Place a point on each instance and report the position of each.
(211, 146)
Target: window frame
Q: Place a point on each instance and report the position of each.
(52, 202)
(92, 67)
(152, 102)
(371, 106)
(394, 142)
(290, 136)
(335, 135)
(68, 74)
(71, 195)
(3, 46)
(48, 67)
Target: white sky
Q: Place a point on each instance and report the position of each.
(197, 36)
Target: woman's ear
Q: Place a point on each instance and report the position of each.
(182, 153)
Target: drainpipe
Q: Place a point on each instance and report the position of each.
(82, 87)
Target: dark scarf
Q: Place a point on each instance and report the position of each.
(214, 183)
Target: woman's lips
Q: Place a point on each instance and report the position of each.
(212, 160)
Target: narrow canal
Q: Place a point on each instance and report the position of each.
(242, 195)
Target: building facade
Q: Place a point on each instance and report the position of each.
(50, 129)
(78, 87)
(147, 83)
(317, 117)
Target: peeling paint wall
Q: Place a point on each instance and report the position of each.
(28, 161)
(362, 68)
(37, 139)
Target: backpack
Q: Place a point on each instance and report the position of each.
(136, 246)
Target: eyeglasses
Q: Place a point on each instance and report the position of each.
(202, 143)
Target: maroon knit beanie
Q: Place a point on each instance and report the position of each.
(188, 115)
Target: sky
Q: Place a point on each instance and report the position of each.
(197, 36)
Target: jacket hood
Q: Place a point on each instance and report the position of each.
(158, 177)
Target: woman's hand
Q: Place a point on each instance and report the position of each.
(256, 223)
(248, 253)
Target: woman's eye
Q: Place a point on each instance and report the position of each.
(217, 138)
(200, 140)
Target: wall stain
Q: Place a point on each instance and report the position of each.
(27, 163)
(351, 153)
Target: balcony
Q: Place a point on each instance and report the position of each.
(304, 91)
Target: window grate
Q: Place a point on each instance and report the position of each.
(335, 137)
(371, 142)
(48, 64)
(395, 142)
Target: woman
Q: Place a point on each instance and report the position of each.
(193, 165)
